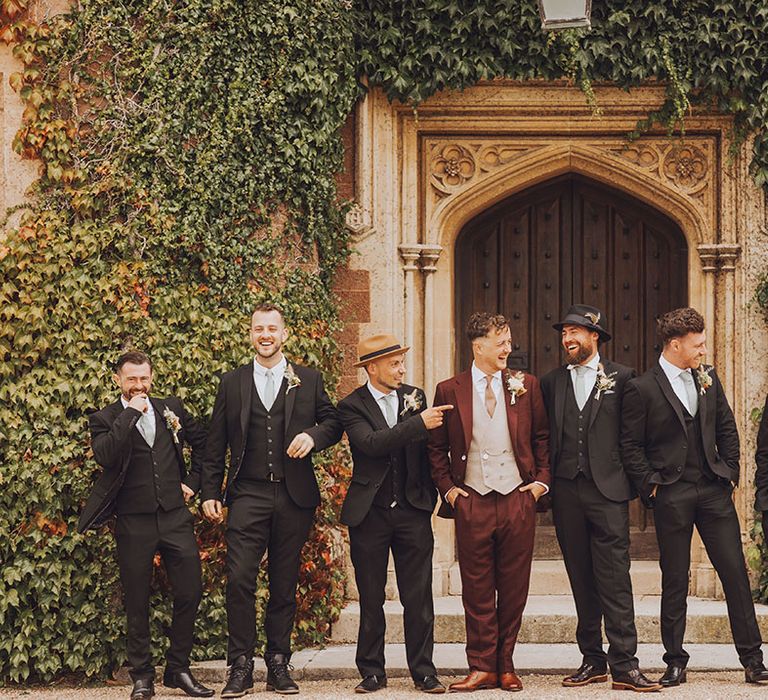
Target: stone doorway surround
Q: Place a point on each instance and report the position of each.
(421, 175)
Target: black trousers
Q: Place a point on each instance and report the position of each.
(708, 505)
(593, 533)
(139, 536)
(407, 532)
(263, 518)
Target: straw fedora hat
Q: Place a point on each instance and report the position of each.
(374, 347)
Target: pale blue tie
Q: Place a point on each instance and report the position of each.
(146, 426)
(580, 386)
(389, 411)
(690, 390)
(269, 390)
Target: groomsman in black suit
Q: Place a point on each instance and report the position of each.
(388, 507)
(761, 475)
(680, 447)
(271, 415)
(139, 441)
(590, 493)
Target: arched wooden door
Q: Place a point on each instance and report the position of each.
(572, 240)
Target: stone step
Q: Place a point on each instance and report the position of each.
(550, 578)
(551, 619)
(338, 662)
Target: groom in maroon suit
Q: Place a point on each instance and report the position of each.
(490, 462)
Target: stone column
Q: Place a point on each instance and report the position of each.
(410, 254)
(430, 254)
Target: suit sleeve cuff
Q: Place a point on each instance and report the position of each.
(541, 483)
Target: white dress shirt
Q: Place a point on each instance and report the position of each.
(260, 378)
(382, 399)
(590, 376)
(674, 373)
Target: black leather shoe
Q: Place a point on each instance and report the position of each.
(674, 675)
(184, 680)
(278, 674)
(143, 688)
(428, 684)
(756, 673)
(586, 673)
(370, 684)
(239, 678)
(634, 680)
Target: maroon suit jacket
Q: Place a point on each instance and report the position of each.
(449, 444)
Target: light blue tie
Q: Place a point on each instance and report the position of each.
(580, 388)
(146, 426)
(269, 390)
(389, 411)
(690, 390)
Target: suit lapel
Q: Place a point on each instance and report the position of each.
(511, 409)
(597, 398)
(464, 391)
(161, 424)
(561, 390)
(290, 397)
(371, 407)
(669, 393)
(246, 390)
(704, 404)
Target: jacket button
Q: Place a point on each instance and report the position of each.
(463, 458)
(679, 469)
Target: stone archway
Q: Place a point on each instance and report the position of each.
(422, 175)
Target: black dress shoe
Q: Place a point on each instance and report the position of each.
(586, 673)
(143, 688)
(674, 675)
(184, 680)
(428, 684)
(278, 674)
(370, 684)
(756, 673)
(239, 679)
(634, 680)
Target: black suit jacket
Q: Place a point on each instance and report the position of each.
(603, 432)
(372, 442)
(761, 458)
(654, 438)
(111, 443)
(308, 409)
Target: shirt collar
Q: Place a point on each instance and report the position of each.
(593, 364)
(279, 368)
(672, 371)
(378, 394)
(478, 374)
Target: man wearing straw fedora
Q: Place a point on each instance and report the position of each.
(490, 462)
(388, 508)
(590, 499)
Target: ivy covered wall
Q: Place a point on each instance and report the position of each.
(188, 152)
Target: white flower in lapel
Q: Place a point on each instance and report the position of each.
(293, 379)
(605, 382)
(515, 384)
(704, 378)
(411, 402)
(173, 422)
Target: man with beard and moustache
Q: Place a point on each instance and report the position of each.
(389, 507)
(590, 499)
(680, 447)
(490, 463)
(139, 441)
(272, 415)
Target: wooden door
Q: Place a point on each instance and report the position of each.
(572, 240)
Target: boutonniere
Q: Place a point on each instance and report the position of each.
(515, 384)
(411, 402)
(605, 382)
(173, 423)
(704, 378)
(293, 379)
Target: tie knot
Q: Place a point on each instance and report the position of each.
(488, 379)
(580, 369)
(687, 376)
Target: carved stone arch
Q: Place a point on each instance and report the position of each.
(537, 165)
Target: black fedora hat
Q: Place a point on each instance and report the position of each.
(586, 316)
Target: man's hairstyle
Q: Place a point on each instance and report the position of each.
(134, 357)
(679, 323)
(266, 307)
(481, 323)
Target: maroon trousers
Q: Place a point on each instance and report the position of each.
(494, 538)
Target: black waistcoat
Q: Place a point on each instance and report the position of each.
(392, 489)
(153, 479)
(574, 454)
(265, 444)
(695, 463)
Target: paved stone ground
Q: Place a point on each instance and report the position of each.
(701, 686)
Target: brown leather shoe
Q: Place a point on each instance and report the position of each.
(476, 680)
(510, 681)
